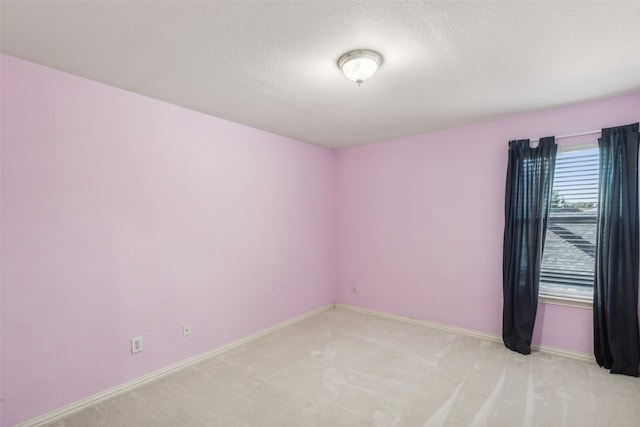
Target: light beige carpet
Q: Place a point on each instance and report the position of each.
(343, 368)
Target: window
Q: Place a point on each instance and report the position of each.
(568, 261)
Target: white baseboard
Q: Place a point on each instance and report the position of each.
(542, 348)
(564, 353)
(122, 388)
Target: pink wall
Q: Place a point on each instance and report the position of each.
(420, 222)
(126, 216)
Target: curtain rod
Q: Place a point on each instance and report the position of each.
(571, 135)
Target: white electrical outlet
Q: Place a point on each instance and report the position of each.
(186, 329)
(136, 345)
(354, 287)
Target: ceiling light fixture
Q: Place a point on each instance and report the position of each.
(359, 65)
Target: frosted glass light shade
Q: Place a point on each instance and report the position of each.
(359, 65)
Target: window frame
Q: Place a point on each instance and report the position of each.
(559, 298)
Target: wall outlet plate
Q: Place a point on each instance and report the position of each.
(354, 287)
(136, 345)
(186, 329)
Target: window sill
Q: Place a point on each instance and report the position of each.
(567, 302)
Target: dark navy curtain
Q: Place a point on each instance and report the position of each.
(527, 203)
(615, 298)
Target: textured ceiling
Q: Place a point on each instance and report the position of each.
(272, 65)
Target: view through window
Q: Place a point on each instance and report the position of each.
(568, 262)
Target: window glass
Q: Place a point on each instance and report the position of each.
(568, 260)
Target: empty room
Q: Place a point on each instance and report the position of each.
(319, 213)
